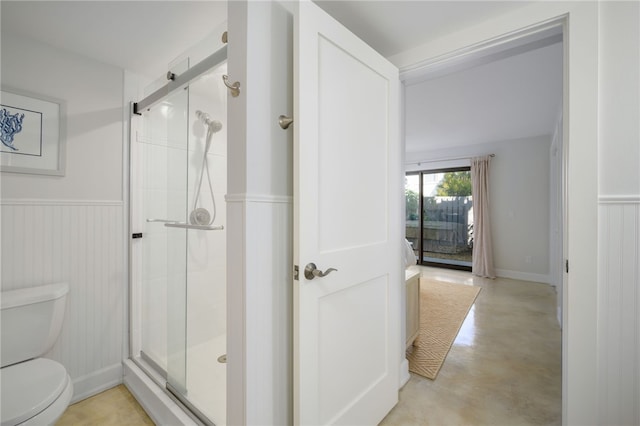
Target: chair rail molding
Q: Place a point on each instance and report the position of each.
(619, 199)
(56, 202)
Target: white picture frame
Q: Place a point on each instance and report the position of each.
(32, 133)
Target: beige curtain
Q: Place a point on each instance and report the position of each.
(482, 246)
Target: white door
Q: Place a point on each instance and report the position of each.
(347, 206)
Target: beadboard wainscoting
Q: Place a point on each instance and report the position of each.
(81, 243)
(260, 291)
(619, 309)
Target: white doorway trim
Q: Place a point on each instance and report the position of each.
(509, 44)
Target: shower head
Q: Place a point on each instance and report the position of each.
(213, 125)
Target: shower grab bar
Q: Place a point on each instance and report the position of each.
(184, 225)
(189, 226)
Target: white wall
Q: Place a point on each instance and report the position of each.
(619, 213)
(519, 185)
(259, 212)
(93, 93)
(619, 89)
(580, 392)
(71, 228)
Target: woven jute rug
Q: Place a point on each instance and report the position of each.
(443, 308)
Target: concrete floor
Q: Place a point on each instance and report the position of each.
(504, 368)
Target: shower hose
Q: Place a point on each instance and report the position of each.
(199, 215)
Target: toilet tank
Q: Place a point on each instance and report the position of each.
(31, 321)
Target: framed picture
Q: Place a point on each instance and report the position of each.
(32, 133)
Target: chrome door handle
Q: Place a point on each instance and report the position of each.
(310, 271)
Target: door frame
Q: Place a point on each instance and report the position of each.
(519, 41)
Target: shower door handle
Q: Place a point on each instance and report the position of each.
(310, 271)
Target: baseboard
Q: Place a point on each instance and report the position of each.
(404, 373)
(96, 382)
(524, 276)
(157, 404)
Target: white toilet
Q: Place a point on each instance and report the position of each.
(35, 391)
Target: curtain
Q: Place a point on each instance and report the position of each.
(482, 247)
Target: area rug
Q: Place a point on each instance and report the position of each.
(443, 308)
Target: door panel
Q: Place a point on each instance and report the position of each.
(363, 360)
(344, 80)
(347, 204)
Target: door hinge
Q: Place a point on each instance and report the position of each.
(136, 235)
(296, 272)
(566, 265)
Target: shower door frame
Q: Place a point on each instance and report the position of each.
(181, 81)
(175, 83)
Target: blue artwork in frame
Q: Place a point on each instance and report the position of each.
(10, 125)
(31, 133)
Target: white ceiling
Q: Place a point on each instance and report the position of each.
(393, 26)
(145, 36)
(141, 36)
(512, 98)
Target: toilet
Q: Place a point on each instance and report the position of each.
(35, 390)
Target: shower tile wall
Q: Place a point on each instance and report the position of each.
(163, 194)
(207, 258)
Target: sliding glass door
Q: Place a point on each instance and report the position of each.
(439, 217)
(178, 254)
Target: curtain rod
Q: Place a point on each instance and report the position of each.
(443, 159)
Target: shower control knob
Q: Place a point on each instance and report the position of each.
(200, 216)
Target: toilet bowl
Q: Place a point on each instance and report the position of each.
(35, 390)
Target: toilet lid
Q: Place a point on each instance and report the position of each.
(30, 387)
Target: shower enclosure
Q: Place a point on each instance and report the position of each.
(178, 178)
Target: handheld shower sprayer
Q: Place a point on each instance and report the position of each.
(213, 125)
(200, 215)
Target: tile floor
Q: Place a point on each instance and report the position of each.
(113, 407)
(504, 368)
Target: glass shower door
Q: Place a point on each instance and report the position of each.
(178, 199)
(194, 326)
(159, 201)
(178, 170)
